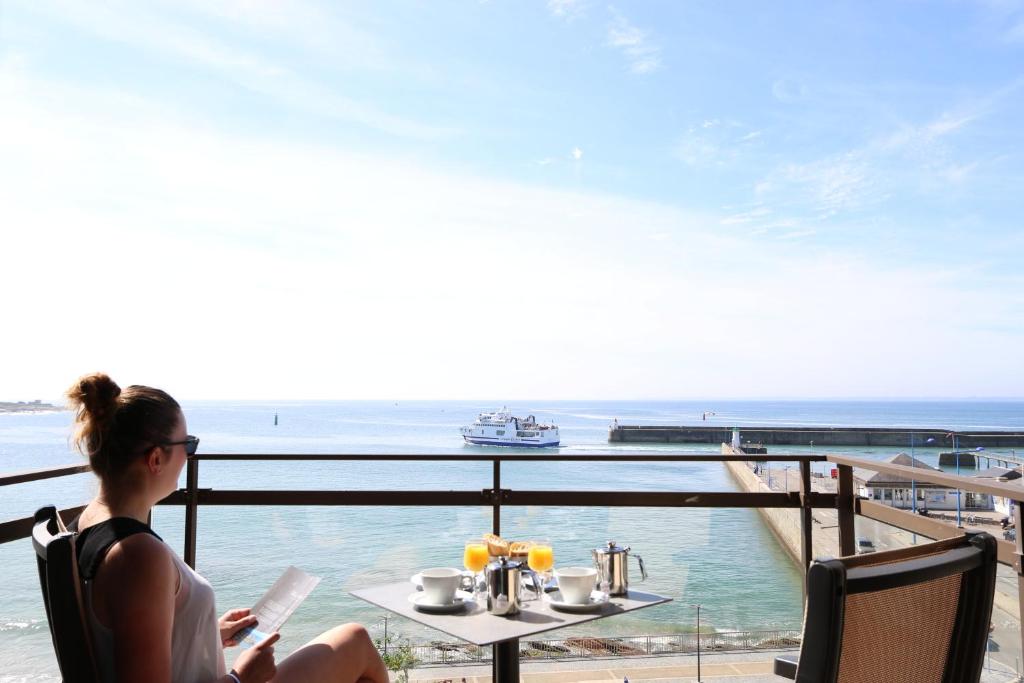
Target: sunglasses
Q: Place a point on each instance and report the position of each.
(191, 444)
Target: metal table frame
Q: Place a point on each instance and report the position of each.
(476, 625)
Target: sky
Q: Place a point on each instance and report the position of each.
(561, 199)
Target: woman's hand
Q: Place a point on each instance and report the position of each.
(256, 665)
(231, 623)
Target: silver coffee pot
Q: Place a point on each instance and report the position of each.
(504, 586)
(611, 562)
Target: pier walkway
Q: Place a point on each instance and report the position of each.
(755, 667)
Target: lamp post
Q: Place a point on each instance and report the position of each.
(698, 641)
(913, 482)
(913, 463)
(956, 456)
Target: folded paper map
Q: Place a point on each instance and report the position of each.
(274, 608)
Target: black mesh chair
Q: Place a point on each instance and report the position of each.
(62, 597)
(913, 615)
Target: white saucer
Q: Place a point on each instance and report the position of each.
(557, 603)
(462, 598)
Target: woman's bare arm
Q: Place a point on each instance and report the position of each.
(137, 583)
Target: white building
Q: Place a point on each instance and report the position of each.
(1001, 475)
(898, 491)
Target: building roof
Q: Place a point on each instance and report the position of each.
(1006, 473)
(873, 479)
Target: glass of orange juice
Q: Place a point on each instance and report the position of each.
(475, 558)
(541, 559)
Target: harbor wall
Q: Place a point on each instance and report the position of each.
(816, 436)
(784, 523)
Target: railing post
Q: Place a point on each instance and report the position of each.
(1018, 525)
(191, 510)
(845, 507)
(496, 503)
(806, 519)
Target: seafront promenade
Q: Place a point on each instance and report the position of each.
(754, 667)
(733, 667)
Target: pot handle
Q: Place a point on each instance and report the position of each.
(643, 569)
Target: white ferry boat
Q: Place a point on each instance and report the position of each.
(501, 428)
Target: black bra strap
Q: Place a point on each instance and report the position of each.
(94, 542)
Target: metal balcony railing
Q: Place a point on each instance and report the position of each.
(804, 500)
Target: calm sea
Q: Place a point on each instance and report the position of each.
(725, 559)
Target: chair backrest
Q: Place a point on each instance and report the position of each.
(57, 559)
(914, 615)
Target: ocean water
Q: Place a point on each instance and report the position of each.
(725, 559)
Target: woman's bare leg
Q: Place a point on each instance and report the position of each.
(345, 654)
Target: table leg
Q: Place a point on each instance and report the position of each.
(505, 664)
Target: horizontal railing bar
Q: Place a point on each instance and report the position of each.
(17, 529)
(339, 498)
(508, 497)
(926, 526)
(602, 457)
(65, 470)
(1016, 492)
(663, 499)
(46, 473)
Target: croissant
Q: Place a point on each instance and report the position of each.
(519, 548)
(496, 545)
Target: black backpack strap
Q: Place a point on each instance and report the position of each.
(94, 542)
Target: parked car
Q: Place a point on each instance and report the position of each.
(865, 545)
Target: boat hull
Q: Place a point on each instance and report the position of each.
(484, 441)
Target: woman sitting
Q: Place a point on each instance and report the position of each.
(153, 619)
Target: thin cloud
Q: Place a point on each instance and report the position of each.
(567, 9)
(1015, 34)
(141, 28)
(713, 142)
(746, 216)
(956, 174)
(644, 57)
(788, 90)
(796, 234)
(915, 156)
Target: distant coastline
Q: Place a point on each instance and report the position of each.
(29, 407)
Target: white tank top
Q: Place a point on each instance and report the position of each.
(196, 652)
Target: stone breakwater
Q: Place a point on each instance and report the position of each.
(28, 407)
(815, 436)
(783, 522)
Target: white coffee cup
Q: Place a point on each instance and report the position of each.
(576, 583)
(439, 585)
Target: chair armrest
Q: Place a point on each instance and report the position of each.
(785, 666)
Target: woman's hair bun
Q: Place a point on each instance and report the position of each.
(95, 395)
